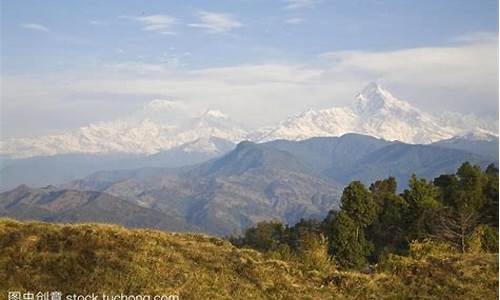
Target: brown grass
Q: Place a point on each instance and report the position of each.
(90, 258)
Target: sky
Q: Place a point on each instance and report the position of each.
(65, 64)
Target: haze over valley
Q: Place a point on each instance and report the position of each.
(209, 173)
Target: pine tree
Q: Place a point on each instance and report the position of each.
(387, 232)
(348, 243)
(265, 236)
(489, 212)
(350, 250)
(423, 205)
(358, 203)
(470, 195)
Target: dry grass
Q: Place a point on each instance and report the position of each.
(105, 258)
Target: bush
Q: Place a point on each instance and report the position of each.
(428, 247)
(484, 238)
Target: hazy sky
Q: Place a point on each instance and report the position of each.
(69, 63)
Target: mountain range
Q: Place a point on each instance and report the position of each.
(285, 180)
(478, 142)
(157, 127)
(162, 125)
(69, 206)
(365, 158)
(40, 171)
(163, 134)
(163, 169)
(225, 195)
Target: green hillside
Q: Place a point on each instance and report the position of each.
(90, 258)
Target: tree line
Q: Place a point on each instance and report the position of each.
(458, 209)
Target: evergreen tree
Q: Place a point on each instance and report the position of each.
(358, 204)
(489, 212)
(423, 205)
(470, 195)
(387, 232)
(381, 189)
(304, 229)
(447, 185)
(350, 250)
(460, 209)
(265, 236)
(348, 243)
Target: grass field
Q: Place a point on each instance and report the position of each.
(94, 258)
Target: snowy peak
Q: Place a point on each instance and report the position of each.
(374, 98)
(478, 141)
(213, 117)
(207, 145)
(477, 134)
(159, 125)
(165, 124)
(203, 145)
(370, 99)
(214, 113)
(374, 111)
(216, 119)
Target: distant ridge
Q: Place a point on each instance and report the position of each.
(479, 142)
(162, 125)
(376, 112)
(70, 206)
(285, 180)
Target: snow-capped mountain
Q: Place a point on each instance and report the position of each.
(477, 141)
(207, 145)
(160, 125)
(163, 125)
(375, 112)
(477, 134)
(470, 122)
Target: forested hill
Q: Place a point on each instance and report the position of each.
(456, 211)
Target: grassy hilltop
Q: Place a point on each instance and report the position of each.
(90, 258)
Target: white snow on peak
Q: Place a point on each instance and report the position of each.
(374, 97)
(165, 124)
(214, 113)
(477, 134)
(374, 111)
(201, 145)
(161, 105)
(160, 125)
